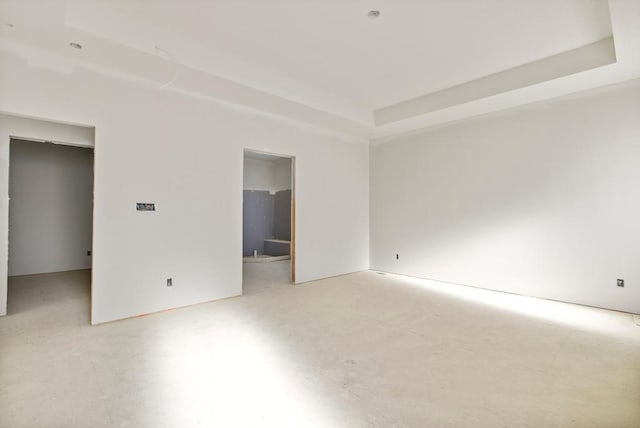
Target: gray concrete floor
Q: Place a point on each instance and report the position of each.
(258, 277)
(361, 350)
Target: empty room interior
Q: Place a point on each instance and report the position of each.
(320, 213)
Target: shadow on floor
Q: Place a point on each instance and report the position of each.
(50, 292)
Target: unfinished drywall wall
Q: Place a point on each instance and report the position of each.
(186, 154)
(542, 200)
(265, 215)
(39, 130)
(51, 207)
(257, 220)
(282, 215)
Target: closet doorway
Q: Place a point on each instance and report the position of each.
(50, 228)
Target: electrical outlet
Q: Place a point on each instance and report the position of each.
(620, 282)
(169, 282)
(397, 257)
(88, 252)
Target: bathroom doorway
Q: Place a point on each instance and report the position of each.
(268, 223)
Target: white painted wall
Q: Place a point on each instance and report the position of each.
(282, 174)
(185, 154)
(263, 174)
(543, 201)
(258, 174)
(51, 207)
(22, 127)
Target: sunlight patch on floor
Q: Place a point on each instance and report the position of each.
(603, 321)
(242, 379)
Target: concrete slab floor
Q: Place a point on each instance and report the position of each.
(257, 277)
(360, 350)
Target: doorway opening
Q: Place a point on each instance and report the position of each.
(268, 221)
(50, 228)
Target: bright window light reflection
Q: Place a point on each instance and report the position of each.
(586, 318)
(240, 379)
